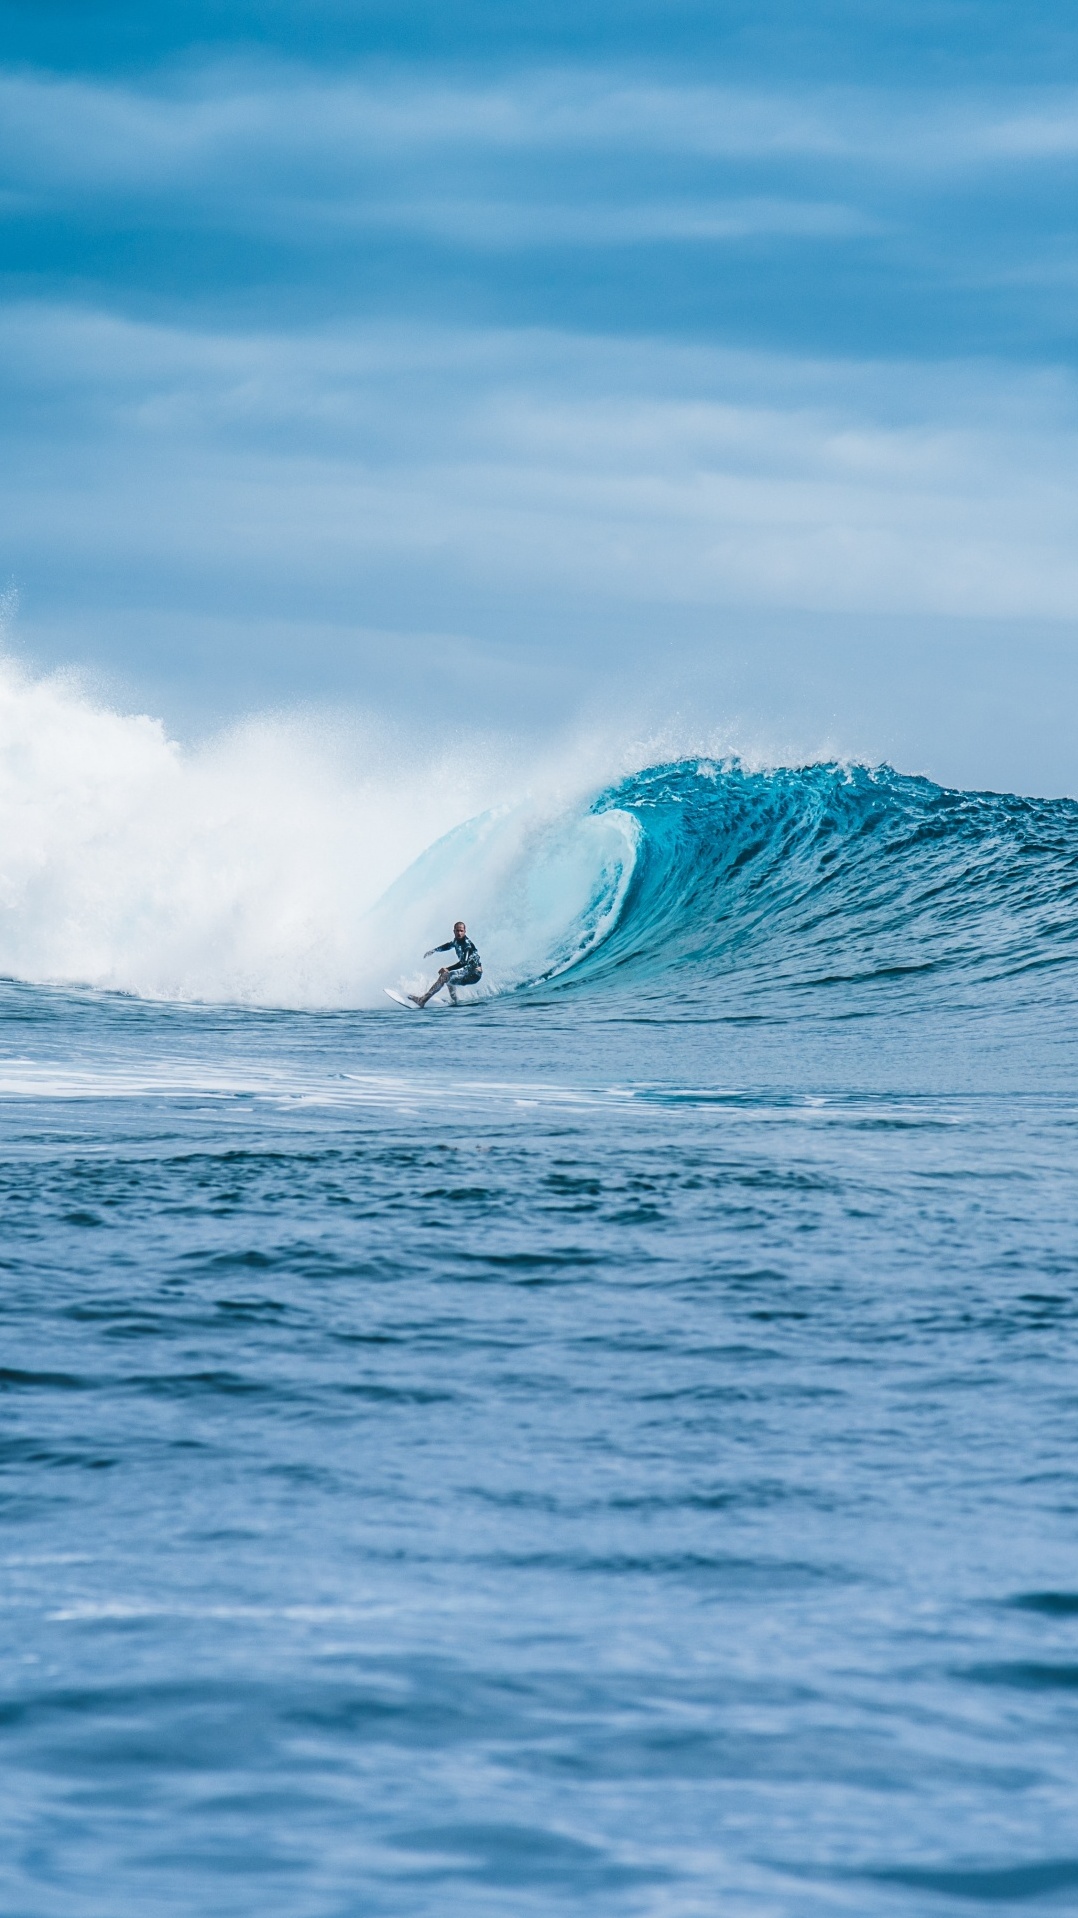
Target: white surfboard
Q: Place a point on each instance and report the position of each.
(399, 998)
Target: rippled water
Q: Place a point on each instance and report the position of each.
(609, 1449)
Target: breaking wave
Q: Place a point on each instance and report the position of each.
(844, 878)
(280, 866)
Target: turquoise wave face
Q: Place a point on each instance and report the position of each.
(541, 889)
(839, 883)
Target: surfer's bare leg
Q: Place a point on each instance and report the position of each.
(420, 999)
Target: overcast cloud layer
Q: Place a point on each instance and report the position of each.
(534, 387)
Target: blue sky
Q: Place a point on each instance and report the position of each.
(504, 365)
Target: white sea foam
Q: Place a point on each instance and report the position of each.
(276, 865)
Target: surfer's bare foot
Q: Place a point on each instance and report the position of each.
(416, 1000)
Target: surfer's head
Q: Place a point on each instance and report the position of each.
(459, 929)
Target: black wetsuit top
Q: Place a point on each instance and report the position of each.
(468, 967)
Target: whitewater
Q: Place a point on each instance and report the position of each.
(605, 1448)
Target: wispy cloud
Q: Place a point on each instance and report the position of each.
(298, 465)
(354, 190)
(80, 134)
(521, 223)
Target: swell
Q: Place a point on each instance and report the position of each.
(836, 877)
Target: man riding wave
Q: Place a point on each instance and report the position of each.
(467, 971)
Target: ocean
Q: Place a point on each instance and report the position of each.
(608, 1448)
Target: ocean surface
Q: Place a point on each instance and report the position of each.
(611, 1448)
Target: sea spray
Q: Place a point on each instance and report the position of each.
(237, 870)
(250, 869)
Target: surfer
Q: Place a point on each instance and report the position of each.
(467, 971)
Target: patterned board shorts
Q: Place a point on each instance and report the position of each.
(468, 975)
